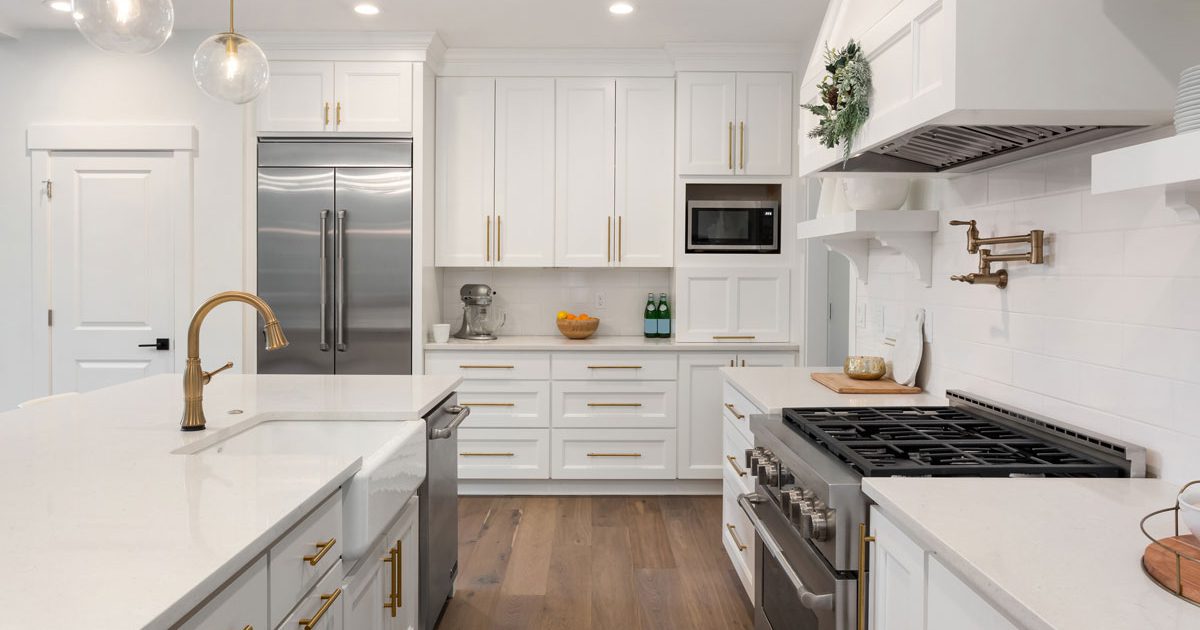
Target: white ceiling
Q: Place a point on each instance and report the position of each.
(498, 23)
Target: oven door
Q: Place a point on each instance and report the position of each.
(746, 227)
(794, 588)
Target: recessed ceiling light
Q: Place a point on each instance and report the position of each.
(366, 9)
(620, 8)
(59, 5)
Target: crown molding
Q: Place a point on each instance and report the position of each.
(551, 62)
(349, 45)
(719, 57)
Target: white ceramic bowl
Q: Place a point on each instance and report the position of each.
(1189, 509)
(875, 193)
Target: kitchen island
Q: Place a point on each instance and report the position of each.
(109, 525)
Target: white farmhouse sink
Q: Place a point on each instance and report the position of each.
(393, 464)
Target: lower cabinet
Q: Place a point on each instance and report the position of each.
(243, 603)
(503, 453)
(323, 608)
(737, 534)
(383, 593)
(613, 454)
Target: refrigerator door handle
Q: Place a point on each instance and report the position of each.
(324, 325)
(340, 281)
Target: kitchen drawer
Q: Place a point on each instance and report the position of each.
(613, 453)
(496, 404)
(304, 554)
(490, 365)
(322, 607)
(615, 366)
(627, 404)
(241, 604)
(738, 409)
(733, 455)
(738, 537)
(503, 453)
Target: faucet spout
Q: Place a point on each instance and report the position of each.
(194, 376)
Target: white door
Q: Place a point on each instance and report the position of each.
(524, 234)
(374, 96)
(584, 174)
(111, 286)
(705, 118)
(465, 173)
(762, 305)
(298, 98)
(645, 188)
(897, 578)
(700, 419)
(764, 126)
(705, 304)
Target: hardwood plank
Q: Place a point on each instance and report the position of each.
(472, 514)
(568, 601)
(613, 589)
(574, 521)
(516, 612)
(660, 598)
(529, 567)
(479, 580)
(609, 511)
(648, 540)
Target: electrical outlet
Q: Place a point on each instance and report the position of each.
(601, 300)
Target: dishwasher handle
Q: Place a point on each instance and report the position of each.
(460, 414)
(808, 599)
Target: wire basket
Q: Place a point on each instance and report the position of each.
(1173, 563)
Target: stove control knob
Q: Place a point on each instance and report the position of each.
(769, 472)
(789, 498)
(785, 477)
(818, 524)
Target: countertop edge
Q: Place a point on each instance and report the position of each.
(620, 344)
(731, 378)
(429, 405)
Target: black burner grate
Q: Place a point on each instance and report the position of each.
(938, 442)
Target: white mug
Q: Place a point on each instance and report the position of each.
(441, 333)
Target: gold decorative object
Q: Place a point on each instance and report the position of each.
(1173, 563)
(985, 275)
(578, 328)
(865, 368)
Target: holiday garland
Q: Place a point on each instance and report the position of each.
(845, 91)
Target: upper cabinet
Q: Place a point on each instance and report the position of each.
(585, 175)
(524, 235)
(731, 123)
(465, 171)
(740, 305)
(342, 96)
(645, 172)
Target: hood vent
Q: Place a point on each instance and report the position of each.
(966, 148)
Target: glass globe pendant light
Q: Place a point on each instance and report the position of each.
(230, 67)
(125, 26)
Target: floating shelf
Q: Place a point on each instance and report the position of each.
(1169, 162)
(909, 232)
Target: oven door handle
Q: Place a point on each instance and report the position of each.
(808, 599)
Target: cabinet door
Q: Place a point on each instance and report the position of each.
(897, 578)
(766, 359)
(243, 603)
(953, 605)
(704, 120)
(645, 191)
(584, 173)
(762, 304)
(764, 126)
(465, 188)
(705, 304)
(524, 231)
(700, 418)
(404, 538)
(374, 96)
(298, 98)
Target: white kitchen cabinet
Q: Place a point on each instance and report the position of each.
(465, 172)
(741, 305)
(612, 453)
(242, 604)
(952, 605)
(585, 172)
(300, 97)
(738, 538)
(524, 205)
(505, 403)
(303, 555)
(734, 123)
(504, 453)
(343, 96)
(613, 404)
(897, 578)
(382, 593)
(645, 178)
(736, 439)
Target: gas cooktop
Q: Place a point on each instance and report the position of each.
(940, 442)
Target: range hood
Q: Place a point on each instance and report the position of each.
(964, 85)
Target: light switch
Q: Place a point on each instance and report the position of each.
(601, 300)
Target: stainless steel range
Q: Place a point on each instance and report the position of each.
(811, 515)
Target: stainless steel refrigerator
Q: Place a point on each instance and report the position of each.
(335, 254)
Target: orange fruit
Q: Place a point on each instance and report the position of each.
(584, 316)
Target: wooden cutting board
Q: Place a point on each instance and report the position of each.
(1160, 564)
(843, 384)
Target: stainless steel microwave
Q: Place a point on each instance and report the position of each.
(732, 227)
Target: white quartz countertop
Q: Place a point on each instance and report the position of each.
(602, 343)
(772, 389)
(1060, 554)
(105, 527)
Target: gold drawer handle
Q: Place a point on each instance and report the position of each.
(391, 604)
(614, 454)
(309, 624)
(486, 367)
(727, 337)
(614, 404)
(733, 534)
(487, 455)
(734, 411)
(737, 469)
(475, 404)
(614, 367)
(323, 548)
(863, 568)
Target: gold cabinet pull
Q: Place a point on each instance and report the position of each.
(322, 549)
(620, 255)
(737, 469)
(734, 411)
(248, 627)
(731, 363)
(497, 238)
(614, 454)
(743, 363)
(731, 145)
(608, 243)
(326, 113)
(487, 239)
(475, 404)
(742, 146)
(863, 541)
(614, 404)
(309, 624)
(390, 604)
(399, 574)
(486, 367)
(614, 367)
(736, 540)
(732, 337)
(487, 455)
(339, 113)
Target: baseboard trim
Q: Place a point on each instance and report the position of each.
(489, 487)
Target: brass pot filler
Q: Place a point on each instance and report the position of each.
(985, 275)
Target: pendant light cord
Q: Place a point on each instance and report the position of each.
(231, 17)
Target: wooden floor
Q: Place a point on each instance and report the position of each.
(582, 563)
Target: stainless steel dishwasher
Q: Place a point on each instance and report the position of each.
(439, 509)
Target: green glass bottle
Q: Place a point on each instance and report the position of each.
(650, 318)
(664, 317)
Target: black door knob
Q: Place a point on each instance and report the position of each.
(162, 343)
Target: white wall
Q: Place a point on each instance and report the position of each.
(57, 78)
(1105, 335)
